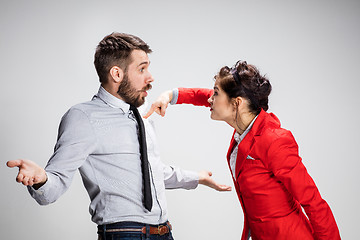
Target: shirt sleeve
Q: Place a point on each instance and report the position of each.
(175, 177)
(175, 93)
(195, 96)
(76, 140)
(284, 161)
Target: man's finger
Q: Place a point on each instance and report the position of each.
(31, 182)
(37, 179)
(224, 188)
(20, 178)
(14, 163)
(25, 181)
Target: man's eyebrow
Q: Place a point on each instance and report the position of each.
(216, 88)
(144, 63)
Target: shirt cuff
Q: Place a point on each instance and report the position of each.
(175, 97)
(192, 179)
(40, 194)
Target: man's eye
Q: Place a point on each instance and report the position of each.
(142, 69)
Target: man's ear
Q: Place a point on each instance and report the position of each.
(117, 74)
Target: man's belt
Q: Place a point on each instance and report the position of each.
(159, 230)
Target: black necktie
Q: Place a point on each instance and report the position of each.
(144, 160)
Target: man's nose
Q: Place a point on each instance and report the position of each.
(149, 79)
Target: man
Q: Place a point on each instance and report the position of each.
(103, 139)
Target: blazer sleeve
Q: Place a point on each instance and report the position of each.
(195, 96)
(285, 163)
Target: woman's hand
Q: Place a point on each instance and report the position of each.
(205, 179)
(160, 105)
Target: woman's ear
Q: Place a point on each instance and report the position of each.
(117, 74)
(238, 101)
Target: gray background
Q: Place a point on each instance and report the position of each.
(309, 50)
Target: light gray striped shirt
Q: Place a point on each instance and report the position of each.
(238, 138)
(100, 139)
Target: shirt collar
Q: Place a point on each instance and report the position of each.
(238, 138)
(111, 100)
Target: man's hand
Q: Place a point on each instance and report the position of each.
(29, 172)
(160, 105)
(205, 179)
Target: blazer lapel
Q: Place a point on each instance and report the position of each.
(244, 149)
(248, 142)
(231, 147)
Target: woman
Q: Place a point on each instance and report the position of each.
(270, 179)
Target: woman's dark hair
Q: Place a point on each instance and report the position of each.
(244, 80)
(114, 50)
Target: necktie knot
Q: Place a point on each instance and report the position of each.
(132, 107)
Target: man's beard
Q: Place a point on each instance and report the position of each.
(129, 94)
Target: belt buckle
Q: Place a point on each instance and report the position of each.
(162, 230)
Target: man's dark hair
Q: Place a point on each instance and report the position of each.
(115, 50)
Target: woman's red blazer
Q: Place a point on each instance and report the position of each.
(272, 183)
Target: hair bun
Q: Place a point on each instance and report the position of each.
(241, 66)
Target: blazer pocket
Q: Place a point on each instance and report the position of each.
(252, 161)
(250, 157)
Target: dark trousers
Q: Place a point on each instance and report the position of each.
(130, 231)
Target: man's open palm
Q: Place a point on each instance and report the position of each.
(29, 172)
